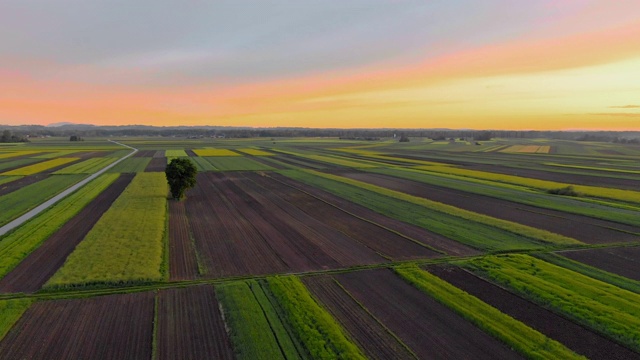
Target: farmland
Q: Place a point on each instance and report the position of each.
(322, 248)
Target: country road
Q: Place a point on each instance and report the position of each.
(40, 208)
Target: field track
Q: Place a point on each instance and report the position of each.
(575, 337)
(372, 337)
(106, 327)
(190, 325)
(429, 328)
(424, 236)
(583, 228)
(624, 261)
(40, 265)
(183, 263)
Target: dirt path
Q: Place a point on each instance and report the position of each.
(40, 208)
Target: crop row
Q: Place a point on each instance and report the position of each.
(24, 199)
(10, 154)
(39, 167)
(175, 153)
(594, 191)
(517, 194)
(519, 336)
(474, 229)
(88, 166)
(15, 246)
(215, 152)
(256, 329)
(606, 308)
(131, 165)
(126, 245)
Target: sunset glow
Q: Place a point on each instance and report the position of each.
(356, 64)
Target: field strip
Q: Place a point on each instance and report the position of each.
(40, 208)
(527, 231)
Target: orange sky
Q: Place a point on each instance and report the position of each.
(563, 75)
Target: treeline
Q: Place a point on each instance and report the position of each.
(9, 137)
(23, 132)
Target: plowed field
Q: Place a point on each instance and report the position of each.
(106, 327)
(236, 218)
(624, 261)
(190, 325)
(368, 333)
(429, 328)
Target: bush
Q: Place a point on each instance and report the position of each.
(565, 191)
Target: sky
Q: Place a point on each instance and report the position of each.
(460, 64)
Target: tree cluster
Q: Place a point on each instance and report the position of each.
(8, 137)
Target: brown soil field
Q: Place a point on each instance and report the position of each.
(429, 328)
(190, 153)
(145, 153)
(227, 242)
(365, 330)
(40, 265)
(159, 154)
(624, 261)
(106, 327)
(375, 237)
(575, 337)
(190, 325)
(583, 228)
(424, 236)
(236, 218)
(183, 263)
(157, 164)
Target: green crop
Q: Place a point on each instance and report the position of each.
(251, 331)
(322, 336)
(606, 308)
(24, 199)
(10, 313)
(527, 341)
(126, 244)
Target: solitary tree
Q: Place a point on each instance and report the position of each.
(181, 175)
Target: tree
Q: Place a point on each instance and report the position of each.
(181, 175)
(6, 136)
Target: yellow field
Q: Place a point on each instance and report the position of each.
(529, 149)
(215, 152)
(36, 168)
(255, 152)
(17, 153)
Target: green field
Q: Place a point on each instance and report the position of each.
(610, 310)
(24, 199)
(15, 246)
(126, 245)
